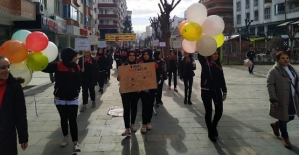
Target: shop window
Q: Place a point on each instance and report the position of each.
(279, 9)
(267, 13)
(86, 21)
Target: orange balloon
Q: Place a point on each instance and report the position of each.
(14, 50)
(182, 25)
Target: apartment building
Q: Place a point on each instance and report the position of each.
(260, 19)
(222, 8)
(111, 15)
(14, 10)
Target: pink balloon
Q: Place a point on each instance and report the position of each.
(189, 46)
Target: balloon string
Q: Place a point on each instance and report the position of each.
(36, 113)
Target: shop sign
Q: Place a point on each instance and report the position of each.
(83, 32)
(52, 25)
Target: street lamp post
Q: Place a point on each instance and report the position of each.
(247, 25)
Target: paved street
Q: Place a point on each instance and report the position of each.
(177, 129)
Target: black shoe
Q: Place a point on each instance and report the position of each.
(189, 102)
(212, 137)
(185, 101)
(101, 91)
(215, 132)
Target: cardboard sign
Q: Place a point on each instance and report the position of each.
(102, 44)
(176, 44)
(82, 44)
(137, 77)
(162, 44)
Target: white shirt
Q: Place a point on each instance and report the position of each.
(292, 76)
(64, 102)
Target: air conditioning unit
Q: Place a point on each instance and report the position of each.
(39, 8)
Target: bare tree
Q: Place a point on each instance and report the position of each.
(164, 20)
(155, 24)
(276, 42)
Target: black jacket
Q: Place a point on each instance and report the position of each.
(117, 56)
(212, 76)
(13, 117)
(68, 80)
(172, 64)
(90, 70)
(102, 62)
(250, 55)
(186, 69)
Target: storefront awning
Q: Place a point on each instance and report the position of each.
(296, 22)
(284, 24)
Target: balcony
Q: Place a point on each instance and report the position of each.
(221, 7)
(217, 2)
(217, 9)
(112, 26)
(113, 16)
(107, 5)
(87, 10)
(17, 10)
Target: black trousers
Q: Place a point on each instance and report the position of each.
(174, 72)
(101, 80)
(147, 100)
(207, 96)
(88, 86)
(188, 82)
(250, 69)
(130, 109)
(68, 114)
(159, 92)
(108, 74)
(118, 63)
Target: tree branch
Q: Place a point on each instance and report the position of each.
(176, 4)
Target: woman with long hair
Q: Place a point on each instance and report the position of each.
(282, 84)
(129, 100)
(213, 87)
(187, 67)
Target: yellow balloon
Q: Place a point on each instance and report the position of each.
(219, 39)
(192, 31)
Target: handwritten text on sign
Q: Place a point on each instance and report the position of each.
(137, 77)
(82, 44)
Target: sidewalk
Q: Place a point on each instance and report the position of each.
(178, 129)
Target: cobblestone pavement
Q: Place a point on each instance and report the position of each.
(177, 129)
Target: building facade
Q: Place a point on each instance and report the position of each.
(224, 9)
(260, 20)
(111, 15)
(14, 10)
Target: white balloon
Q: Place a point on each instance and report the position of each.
(51, 51)
(213, 25)
(197, 12)
(206, 45)
(189, 46)
(21, 70)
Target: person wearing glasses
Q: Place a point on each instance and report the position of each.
(129, 100)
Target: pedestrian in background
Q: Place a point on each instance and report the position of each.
(13, 115)
(282, 84)
(129, 101)
(251, 56)
(102, 62)
(213, 87)
(161, 76)
(66, 93)
(187, 67)
(117, 57)
(89, 72)
(172, 69)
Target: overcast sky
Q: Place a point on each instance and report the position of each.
(143, 9)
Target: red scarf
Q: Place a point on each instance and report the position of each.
(3, 84)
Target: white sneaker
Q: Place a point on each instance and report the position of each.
(77, 148)
(64, 142)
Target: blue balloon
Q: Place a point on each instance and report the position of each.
(20, 35)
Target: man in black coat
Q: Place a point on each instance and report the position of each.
(251, 55)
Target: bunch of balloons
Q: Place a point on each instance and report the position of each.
(27, 52)
(201, 33)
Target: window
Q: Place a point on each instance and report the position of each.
(248, 16)
(256, 16)
(100, 11)
(247, 4)
(87, 21)
(256, 3)
(70, 12)
(57, 7)
(239, 6)
(104, 22)
(267, 13)
(279, 8)
(81, 18)
(239, 19)
(106, 11)
(85, 2)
